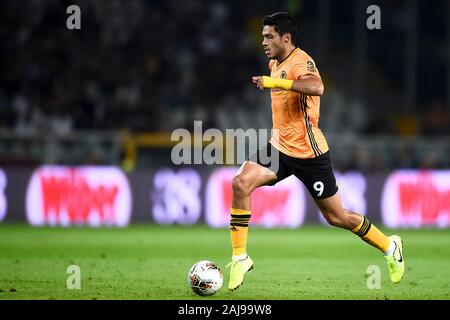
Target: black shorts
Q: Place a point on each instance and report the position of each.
(315, 173)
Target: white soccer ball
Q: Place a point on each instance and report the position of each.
(205, 278)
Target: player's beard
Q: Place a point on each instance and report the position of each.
(274, 53)
(271, 53)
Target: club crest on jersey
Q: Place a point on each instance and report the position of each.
(310, 66)
(283, 75)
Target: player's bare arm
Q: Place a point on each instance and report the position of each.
(309, 84)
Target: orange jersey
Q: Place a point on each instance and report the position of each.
(295, 116)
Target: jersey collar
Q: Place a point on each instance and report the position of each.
(279, 64)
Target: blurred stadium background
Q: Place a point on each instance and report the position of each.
(86, 115)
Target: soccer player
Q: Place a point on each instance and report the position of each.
(296, 87)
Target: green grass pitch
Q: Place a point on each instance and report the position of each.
(152, 262)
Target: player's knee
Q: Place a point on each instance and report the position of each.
(241, 185)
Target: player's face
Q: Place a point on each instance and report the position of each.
(273, 44)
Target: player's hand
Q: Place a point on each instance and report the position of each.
(258, 80)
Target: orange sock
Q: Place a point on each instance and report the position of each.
(239, 230)
(372, 235)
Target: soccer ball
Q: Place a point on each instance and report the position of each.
(205, 278)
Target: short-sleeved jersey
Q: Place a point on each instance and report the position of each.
(295, 116)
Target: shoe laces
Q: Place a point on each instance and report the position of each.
(391, 260)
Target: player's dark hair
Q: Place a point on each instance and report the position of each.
(283, 23)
